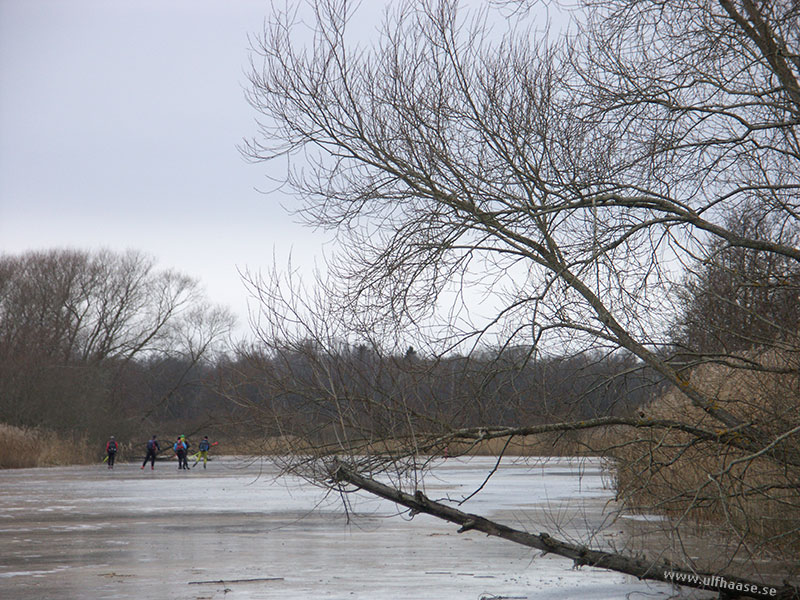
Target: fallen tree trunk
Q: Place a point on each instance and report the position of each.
(728, 587)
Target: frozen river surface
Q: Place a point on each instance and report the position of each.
(234, 531)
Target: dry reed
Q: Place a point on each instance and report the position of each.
(752, 501)
(29, 447)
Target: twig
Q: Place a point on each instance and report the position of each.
(224, 581)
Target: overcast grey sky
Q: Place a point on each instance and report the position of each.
(119, 125)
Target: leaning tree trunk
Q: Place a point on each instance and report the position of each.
(727, 586)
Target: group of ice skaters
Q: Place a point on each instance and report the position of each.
(180, 448)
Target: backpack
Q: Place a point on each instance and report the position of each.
(112, 447)
(204, 446)
(179, 447)
(151, 446)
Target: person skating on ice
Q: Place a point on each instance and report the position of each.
(203, 448)
(180, 447)
(111, 451)
(152, 449)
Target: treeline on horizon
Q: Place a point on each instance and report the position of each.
(103, 343)
(99, 344)
(300, 392)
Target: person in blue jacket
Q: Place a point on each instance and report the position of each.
(203, 448)
(152, 449)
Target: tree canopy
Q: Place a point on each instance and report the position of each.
(76, 328)
(578, 193)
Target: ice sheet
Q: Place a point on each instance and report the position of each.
(235, 531)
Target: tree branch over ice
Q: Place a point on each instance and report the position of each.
(580, 555)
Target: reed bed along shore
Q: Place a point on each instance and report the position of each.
(748, 501)
(32, 447)
(23, 447)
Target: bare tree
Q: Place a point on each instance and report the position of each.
(737, 299)
(71, 322)
(499, 189)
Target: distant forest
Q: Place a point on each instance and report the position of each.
(99, 344)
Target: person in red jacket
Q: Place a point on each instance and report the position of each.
(111, 451)
(181, 448)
